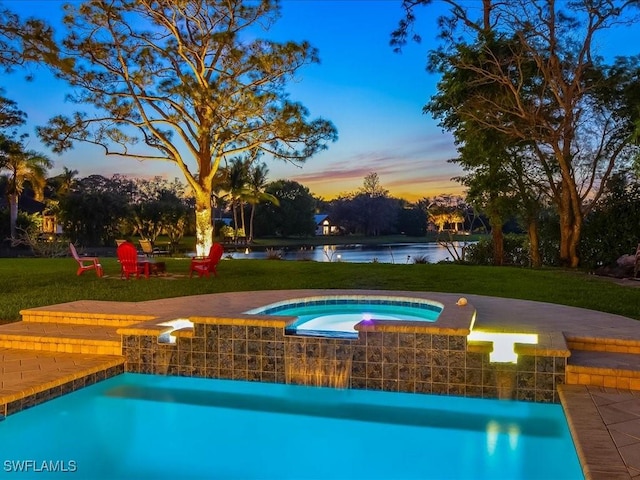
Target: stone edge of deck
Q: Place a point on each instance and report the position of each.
(598, 453)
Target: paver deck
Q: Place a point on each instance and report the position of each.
(605, 421)
(26, 373)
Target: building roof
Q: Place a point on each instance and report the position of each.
(320, 218)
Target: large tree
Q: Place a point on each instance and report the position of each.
(156, 203)
(497, 182)
(377, 211)
(22, 166)
(10, 115)
(553, 90)
(25, 41)
(291, 215)
(257, 193)
(236, 178)
(190, 82)
(95, 208)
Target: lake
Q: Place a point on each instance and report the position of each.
(401, 253)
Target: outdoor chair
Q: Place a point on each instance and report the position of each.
(149, 250)
(86, 263)
(129, 262)
(206, 265)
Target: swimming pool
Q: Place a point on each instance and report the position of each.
(336, 316)
(148, 426)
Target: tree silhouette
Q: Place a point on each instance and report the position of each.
(186, 82)
(20, 167)
(534, 75)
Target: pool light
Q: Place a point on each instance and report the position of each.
(503, 344)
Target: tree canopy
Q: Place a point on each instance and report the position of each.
(292, 214)
(25, 41)
(189, 82)
(530, 73)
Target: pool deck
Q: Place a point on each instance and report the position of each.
(74, 343)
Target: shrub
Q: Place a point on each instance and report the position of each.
(226, 232)
(423, 259)
(273, 254)
(303, 254)
(516, 251)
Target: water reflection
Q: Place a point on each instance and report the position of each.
(398, 253)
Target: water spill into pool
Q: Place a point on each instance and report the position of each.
(333, 369)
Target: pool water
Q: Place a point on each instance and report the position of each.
(337, 317)
(147, 426)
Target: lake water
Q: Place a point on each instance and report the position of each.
(401, 253)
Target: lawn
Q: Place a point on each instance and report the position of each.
(32, 282)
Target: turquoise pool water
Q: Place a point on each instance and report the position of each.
(154, 427)
(337, 316)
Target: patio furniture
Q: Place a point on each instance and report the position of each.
(149, 250)
(206, 265)
(86, 263)
(130, 263)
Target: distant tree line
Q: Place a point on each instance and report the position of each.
(96, 210)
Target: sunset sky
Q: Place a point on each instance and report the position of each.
(373, 96)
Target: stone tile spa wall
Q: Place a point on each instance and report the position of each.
(396, 361)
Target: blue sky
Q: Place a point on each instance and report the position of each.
(373, 95)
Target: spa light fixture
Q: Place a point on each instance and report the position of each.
(503, 344)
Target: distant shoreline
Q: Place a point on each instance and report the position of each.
(301, 242)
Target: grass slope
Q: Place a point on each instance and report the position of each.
(27, 282)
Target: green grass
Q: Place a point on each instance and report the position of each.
(33, 282)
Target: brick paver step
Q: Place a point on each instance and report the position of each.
(603, 369)
(605, 360)
(119, 316)
(88, 339)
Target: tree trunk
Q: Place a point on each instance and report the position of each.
(574, 259)
(566, 226)
(204, 226)
(242, 219)
(570, 230)
(251, 217)
(234, 210)
(534, 243)
(13, 214)
(497, 238)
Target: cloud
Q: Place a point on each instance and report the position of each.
(415, 163)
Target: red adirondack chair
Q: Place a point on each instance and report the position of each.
(206, 265)
(86, 263)
(129, 263)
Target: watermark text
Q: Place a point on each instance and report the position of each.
(54, 466)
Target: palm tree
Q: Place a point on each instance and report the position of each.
(67, 181)
(257, 182)
(23, 166)
(236, 184)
